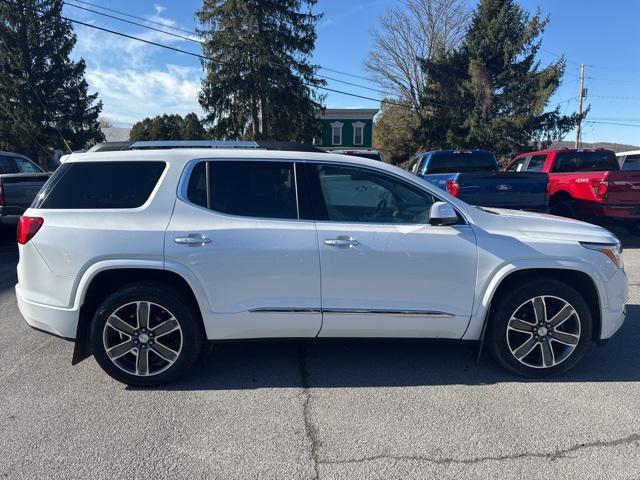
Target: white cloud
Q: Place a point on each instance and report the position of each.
(132, 78)
(129, 95)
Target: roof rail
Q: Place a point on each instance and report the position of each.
(149, 144)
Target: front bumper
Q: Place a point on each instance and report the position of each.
(62, 322)
(614, 314)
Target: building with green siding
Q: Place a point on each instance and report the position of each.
(347, 128)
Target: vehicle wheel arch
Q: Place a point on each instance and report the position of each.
(107, 280)
(577, 278)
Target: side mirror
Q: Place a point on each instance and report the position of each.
(442, 213)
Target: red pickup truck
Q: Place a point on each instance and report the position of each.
(586, 183)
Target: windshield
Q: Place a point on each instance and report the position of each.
(595, 161)
(456, 162)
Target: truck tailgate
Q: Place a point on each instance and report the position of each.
(623, 187)
(20, 189)
(504, 189)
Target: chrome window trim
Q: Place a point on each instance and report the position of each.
(354, 311)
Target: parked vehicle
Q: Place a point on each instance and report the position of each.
(588, 184)
(474, 176)
(370, 154)
(138, 256)
(629, 161)
(20, 181)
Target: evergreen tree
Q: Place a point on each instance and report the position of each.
(493, 93)
(168, 127)
(393, 132)
(43, 94)
(259, 83)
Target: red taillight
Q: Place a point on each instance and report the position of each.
(28, 227)
(600, 188)
(453, 187)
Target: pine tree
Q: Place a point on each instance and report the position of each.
(493, 93)
(168, 127)
(191, 128)
(259, 83)
(43, 94)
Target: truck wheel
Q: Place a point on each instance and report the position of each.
(540, 329)
(145, 334)
(563, 208)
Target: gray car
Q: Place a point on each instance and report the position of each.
(20, 181)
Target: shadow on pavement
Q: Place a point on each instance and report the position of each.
(390, 363)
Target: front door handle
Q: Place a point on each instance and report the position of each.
(193, 239)
(341, 241)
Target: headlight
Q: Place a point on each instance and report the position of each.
(611, 250)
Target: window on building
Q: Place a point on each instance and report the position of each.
(358, 133)
(336, 133)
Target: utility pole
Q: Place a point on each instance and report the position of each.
(581, 96)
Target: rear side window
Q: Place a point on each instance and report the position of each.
(244, 188)
(457, 162)
(100, 185)
(6, 166)
(598, 161)
(536, 164)
(517, 165)
(632, 162)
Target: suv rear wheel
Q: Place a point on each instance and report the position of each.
(145, 334)
(540, 329)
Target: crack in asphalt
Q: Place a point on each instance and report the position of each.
(310, 430)
(562, 453)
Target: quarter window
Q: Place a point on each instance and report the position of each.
(250, 189)
(349, 194)
(517, 165)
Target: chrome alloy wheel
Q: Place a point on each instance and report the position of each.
(142, 338)
(543, 331)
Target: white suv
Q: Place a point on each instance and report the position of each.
(141, 256)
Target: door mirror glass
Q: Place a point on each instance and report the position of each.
(442, 214)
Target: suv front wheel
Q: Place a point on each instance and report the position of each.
(540, 329)
(145, 334)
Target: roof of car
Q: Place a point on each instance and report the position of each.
(448, 152)
(629, 152)
(183, 155)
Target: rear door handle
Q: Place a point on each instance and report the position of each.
(193, 239)
(341, 241)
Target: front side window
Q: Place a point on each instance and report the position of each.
(536, 164)
(517, 165)
(25, 166)
(245, 188)
(351, 194)
(336, 133)
(100, 185)
(358, 133)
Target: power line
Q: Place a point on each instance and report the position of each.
(613, 123)
(201, 42)
(614, 97)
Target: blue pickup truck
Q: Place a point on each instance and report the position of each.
(474, 176)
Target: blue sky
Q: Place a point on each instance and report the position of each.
(137, 80)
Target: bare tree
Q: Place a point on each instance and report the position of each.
(409, 32)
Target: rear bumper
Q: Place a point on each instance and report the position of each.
(614, 314)
(618, 212)
(61, 322)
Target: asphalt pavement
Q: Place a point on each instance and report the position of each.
(310, 409)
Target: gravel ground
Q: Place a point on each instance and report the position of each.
(333, 409)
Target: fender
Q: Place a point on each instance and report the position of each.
(486, 290)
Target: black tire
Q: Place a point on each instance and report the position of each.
(562, 208)
(499, 336)
(164, 300)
